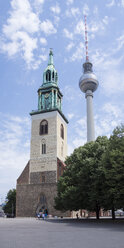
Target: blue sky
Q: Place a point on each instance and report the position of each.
(28, 28)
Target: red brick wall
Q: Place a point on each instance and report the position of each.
(24, 177)
(60, 168)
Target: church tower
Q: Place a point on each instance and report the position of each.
(48, 150)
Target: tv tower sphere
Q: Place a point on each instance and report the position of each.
(88, 83)
(88, 80)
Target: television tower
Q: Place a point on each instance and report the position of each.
(88, 83)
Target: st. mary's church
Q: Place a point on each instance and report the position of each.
(37, 184)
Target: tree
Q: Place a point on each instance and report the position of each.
(113, 160)
(67, 183)
(94, 176)
(81, 185)
(10, 206)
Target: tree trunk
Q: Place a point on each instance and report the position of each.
(97, 212)
(113, 213)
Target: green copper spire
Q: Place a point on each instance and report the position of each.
(50, 75)
(49, 94)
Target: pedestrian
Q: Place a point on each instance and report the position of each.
(77, 216)
(46, 212)
(43, 216)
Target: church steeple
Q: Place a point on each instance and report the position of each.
(49, 94)
(50, 75)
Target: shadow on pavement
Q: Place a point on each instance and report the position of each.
(117, 225)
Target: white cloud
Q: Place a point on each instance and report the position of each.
(113, 82)
(47, 27)
(39, 1)
(81, 132)
(28, 45)
(81, 128)
(18, 30)
(78, 142)
(73, 12)
(70, 149)
(69, 91)
(82, 122)
(14, 149)
(21, 32)
(110, 78)
(43, 41)
(11, 48)
(55, 9)
(111, 3)
(68, 2)
(38, 5)
(95, 11)
(70, 116)
(98, 27)
(67, 34)
(93, 27)
(112, 110)
(43, 57)
(70, 46)
(56, 20)
(43, 49)
(21, 41)
(14, 134)
(78, 54)
(122, 3)
(22, 5)
(105, 20)
(79, 29)
(109, 117)
(120, 41)
(85, 9)
(21, 18)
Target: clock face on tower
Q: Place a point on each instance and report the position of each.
(47, 101)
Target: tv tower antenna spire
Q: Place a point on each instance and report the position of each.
(86, 39)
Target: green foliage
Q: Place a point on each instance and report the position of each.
(113, 161)
(78, 188)
(94, 177)
(10, 207)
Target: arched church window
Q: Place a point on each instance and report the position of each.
(44, 127)
(62, 131)
(62, 146)
(43, 179)
(48, 75)
(56, 77)
(53, 75)
(43, 146)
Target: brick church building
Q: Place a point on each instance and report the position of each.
(37, 184)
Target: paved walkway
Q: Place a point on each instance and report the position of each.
(63, 233)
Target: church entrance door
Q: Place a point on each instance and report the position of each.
(42, 204)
